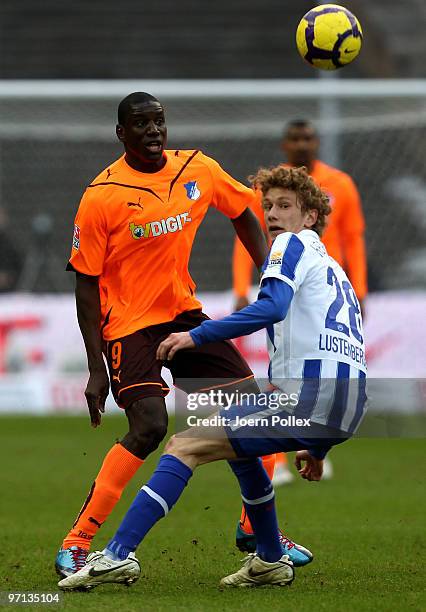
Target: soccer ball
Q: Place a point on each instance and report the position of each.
(329, 37)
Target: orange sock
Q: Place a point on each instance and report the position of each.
(269, 465)
(118, 468)
(281, 458)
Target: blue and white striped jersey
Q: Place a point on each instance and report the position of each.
(319, 345)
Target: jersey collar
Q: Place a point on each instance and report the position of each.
(131, 170)
(308, 232)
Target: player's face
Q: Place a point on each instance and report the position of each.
(283, 212)
(300, 146)
(144, 133)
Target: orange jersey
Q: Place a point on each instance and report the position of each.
(343, 236)
(135, 232)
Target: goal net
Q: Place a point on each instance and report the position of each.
(56, 136)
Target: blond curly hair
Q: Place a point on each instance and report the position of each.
(307, 191)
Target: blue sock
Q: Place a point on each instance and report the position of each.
(152, 502)
(258, 498)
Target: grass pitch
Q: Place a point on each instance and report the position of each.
(365, 527)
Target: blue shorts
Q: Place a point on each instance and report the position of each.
(254, 431)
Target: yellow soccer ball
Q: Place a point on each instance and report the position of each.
(329, 37)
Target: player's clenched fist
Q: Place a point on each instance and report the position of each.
(174, 343)
(312, 468)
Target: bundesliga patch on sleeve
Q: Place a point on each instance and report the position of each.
(275, 259)
(76, 238)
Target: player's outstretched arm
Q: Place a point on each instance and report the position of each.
(89, 320)
(271, 306)
(251, 235)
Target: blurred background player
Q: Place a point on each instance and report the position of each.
(343, 236)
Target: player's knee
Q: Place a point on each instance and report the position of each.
(186, 449)
(146, 440)
(151, 435)
(148, 426)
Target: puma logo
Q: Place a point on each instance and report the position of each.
(117, 376)
(137, 204)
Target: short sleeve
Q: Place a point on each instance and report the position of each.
(287, 260)
(230, 196)
(90, 237)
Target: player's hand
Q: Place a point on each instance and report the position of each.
(241, 303)
(96, 393)
(175, 342)
(312, 468)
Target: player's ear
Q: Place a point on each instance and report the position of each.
(311, 218)
(119, 130)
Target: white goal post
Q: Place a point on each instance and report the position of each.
(216, 88)
(208, 92)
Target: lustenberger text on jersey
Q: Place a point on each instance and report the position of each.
(330, 343)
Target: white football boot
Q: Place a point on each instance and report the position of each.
(256, 572)
(100, 569)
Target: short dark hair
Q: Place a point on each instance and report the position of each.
(137, 97)
(299, 123)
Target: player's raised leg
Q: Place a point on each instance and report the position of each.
(183, 454)
(211, 363)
